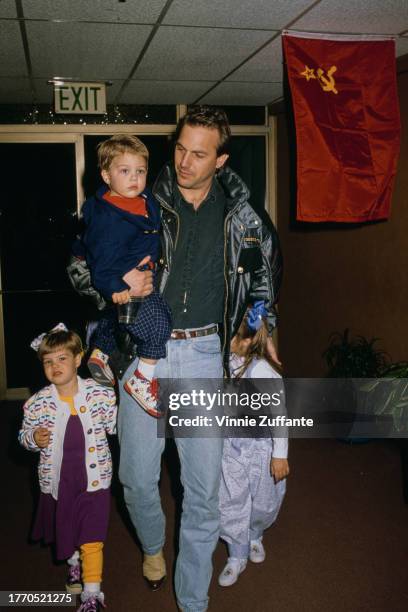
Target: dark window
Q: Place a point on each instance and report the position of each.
(245, 115)
(247, 158)
(37, 225)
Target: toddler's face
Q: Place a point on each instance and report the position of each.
(61, 366)
(127, 175)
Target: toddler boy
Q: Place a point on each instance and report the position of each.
(122, 232)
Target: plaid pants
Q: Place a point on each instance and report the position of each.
(150, 331)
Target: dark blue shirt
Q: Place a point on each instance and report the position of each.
(196, 284)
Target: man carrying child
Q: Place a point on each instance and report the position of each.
(217, 258)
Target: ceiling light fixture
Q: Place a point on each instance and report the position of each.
(61, 80)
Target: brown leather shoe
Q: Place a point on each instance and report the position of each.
(154, 585)
(154, 570)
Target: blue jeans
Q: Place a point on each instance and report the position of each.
(200, 460)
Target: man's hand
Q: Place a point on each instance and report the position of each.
(270, 345)
(42, 437)
(140, 282)
(279, 468)
(121, 297)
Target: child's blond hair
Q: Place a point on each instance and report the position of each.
(257, 347)
(117, 145)
(53, 341)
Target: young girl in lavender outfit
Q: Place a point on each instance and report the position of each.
(253, 469)
(67, 423)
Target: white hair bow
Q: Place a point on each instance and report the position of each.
(35, 344)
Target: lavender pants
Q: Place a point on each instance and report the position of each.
(249, 497)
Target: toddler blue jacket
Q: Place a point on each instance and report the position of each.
(116, 241)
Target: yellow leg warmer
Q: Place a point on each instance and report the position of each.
(92, 561)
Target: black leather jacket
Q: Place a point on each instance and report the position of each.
(253, 262)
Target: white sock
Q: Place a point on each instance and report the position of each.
(86, 594)
(146, 369)
(92, 587)
(74, 560)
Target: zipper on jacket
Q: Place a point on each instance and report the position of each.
(170, 209)
(271, 292)
(227, 218)
(166, 229)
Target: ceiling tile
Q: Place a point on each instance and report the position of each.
(243, 94)
(113, 90)
(103, 10)
(44, 91)
(8, 9)
(164, 92)
(381, 17)
(15, 90)
(182, 62)
(192, 53)
(254, 14)
(264, 66)
(12, 61)
(84, 51)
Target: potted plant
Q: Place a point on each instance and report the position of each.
(388, 396)
(349, 358)
(354, 357)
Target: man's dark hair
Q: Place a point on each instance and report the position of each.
(212, 118)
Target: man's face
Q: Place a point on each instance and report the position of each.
(126, 176)
(195, 157)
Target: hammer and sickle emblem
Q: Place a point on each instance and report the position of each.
(328, 84)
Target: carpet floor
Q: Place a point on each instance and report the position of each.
(340, 543)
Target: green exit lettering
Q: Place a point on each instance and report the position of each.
(80, 98)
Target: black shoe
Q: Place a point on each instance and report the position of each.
(154, 585)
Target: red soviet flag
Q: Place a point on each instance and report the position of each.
(345, 103)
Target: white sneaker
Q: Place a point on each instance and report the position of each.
(100, 369)
(231, 571)
(256, 551)
(146, 393)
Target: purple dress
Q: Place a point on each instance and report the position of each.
(78, 516)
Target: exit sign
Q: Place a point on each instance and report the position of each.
(80, 98)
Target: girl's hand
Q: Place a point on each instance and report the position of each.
(279, 468)
(42, 437)
(121, 297)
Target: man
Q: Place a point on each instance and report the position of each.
(218, 257)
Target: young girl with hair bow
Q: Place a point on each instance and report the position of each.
(253, 469)
(67, 422)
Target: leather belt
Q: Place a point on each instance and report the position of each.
(184, 334)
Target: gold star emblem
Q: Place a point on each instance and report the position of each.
(308, 73)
